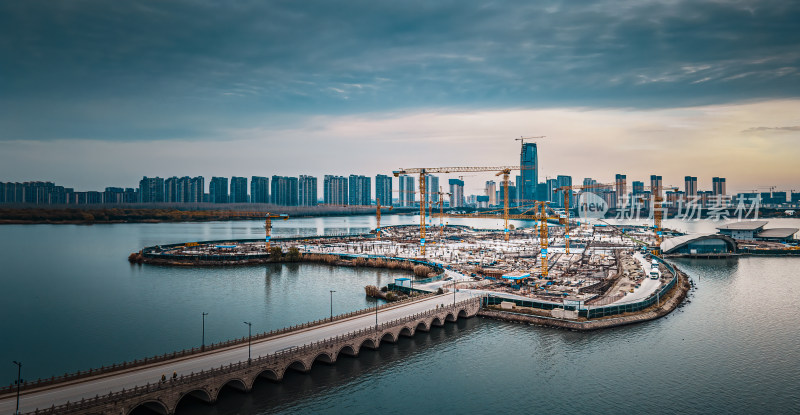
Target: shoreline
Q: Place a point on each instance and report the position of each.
(675, 298)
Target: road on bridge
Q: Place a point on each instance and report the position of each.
(74, 391)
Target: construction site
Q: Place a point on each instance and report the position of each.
(548, 257)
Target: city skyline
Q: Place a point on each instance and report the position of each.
(700, 90)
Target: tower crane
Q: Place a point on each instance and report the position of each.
(268, 225)
(441, 210)
(426, 170)
(568, 195)
(378, 208)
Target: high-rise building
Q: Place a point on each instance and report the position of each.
(259, 189)
(407, 191)
(113, 195)
(491, 191)
(284, 191)
(656, 186)
(456, 193)
(589, 182)
(307, 191)
(238, 192)
(431, 189)
(360, 190)
(621, 189)
(151, 190)
(518, 185)
(690, 186)
(197, 189)
(552, 185)
(383, 189)
(529, 163)
(718, 186)
(184, 189)
(563, 181)
(171, 189)
(512, 195)
(218, 190)
(334, 190)
(638, 187)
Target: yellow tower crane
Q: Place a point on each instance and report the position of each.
(427, 170)
(268, 225)
(378, 217)
(567, 196)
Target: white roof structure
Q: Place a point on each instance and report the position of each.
(780, 233)
(749, 225)
(671, 244)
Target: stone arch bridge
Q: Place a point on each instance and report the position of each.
(164, 397)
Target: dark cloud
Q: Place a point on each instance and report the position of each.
(146, 69)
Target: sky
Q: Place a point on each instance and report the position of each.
(101, 93)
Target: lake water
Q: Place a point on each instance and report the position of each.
(70, 300)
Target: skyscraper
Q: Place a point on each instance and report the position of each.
(621, 190)
(334, 190)
(456, 193)
(218, 190)
(491, 191)
(383, 189)
(307, 191)
(259, 189)
(151, 190)
(563, 181)
(284, 191)
(431, 189)
(197, 188)
(718, 186)
(656, 186)
(360, 190)
(407, 191)
(552, 185)
(171, 189)
(238, 190)
(690, 186)
(638, 187)
(529, 163)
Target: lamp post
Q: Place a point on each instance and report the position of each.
(203, 343)
(376, 314)
(19, 382)
(332, 291)
(249, 338)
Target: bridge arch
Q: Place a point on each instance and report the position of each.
(369, 342)
(348, 350)
(270, 374)
(389, 337)
(463, 313)
(153, 405)
(235, 383)
(423, 326)
(324, 358)
(200, 394)
(437, 322)
(450, 317)
(407, 332)
(299, 366)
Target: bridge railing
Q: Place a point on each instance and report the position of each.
(88, 404)
(195, 350)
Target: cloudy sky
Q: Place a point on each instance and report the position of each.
(100, 93)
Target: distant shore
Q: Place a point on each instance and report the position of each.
(88, 216)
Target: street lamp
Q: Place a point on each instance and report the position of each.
(249, 338)
(332, 291)
(19, 382)
(376, 314)
(203, 344)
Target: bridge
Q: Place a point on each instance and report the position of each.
(203, 375)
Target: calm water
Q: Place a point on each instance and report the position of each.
(70, 300)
